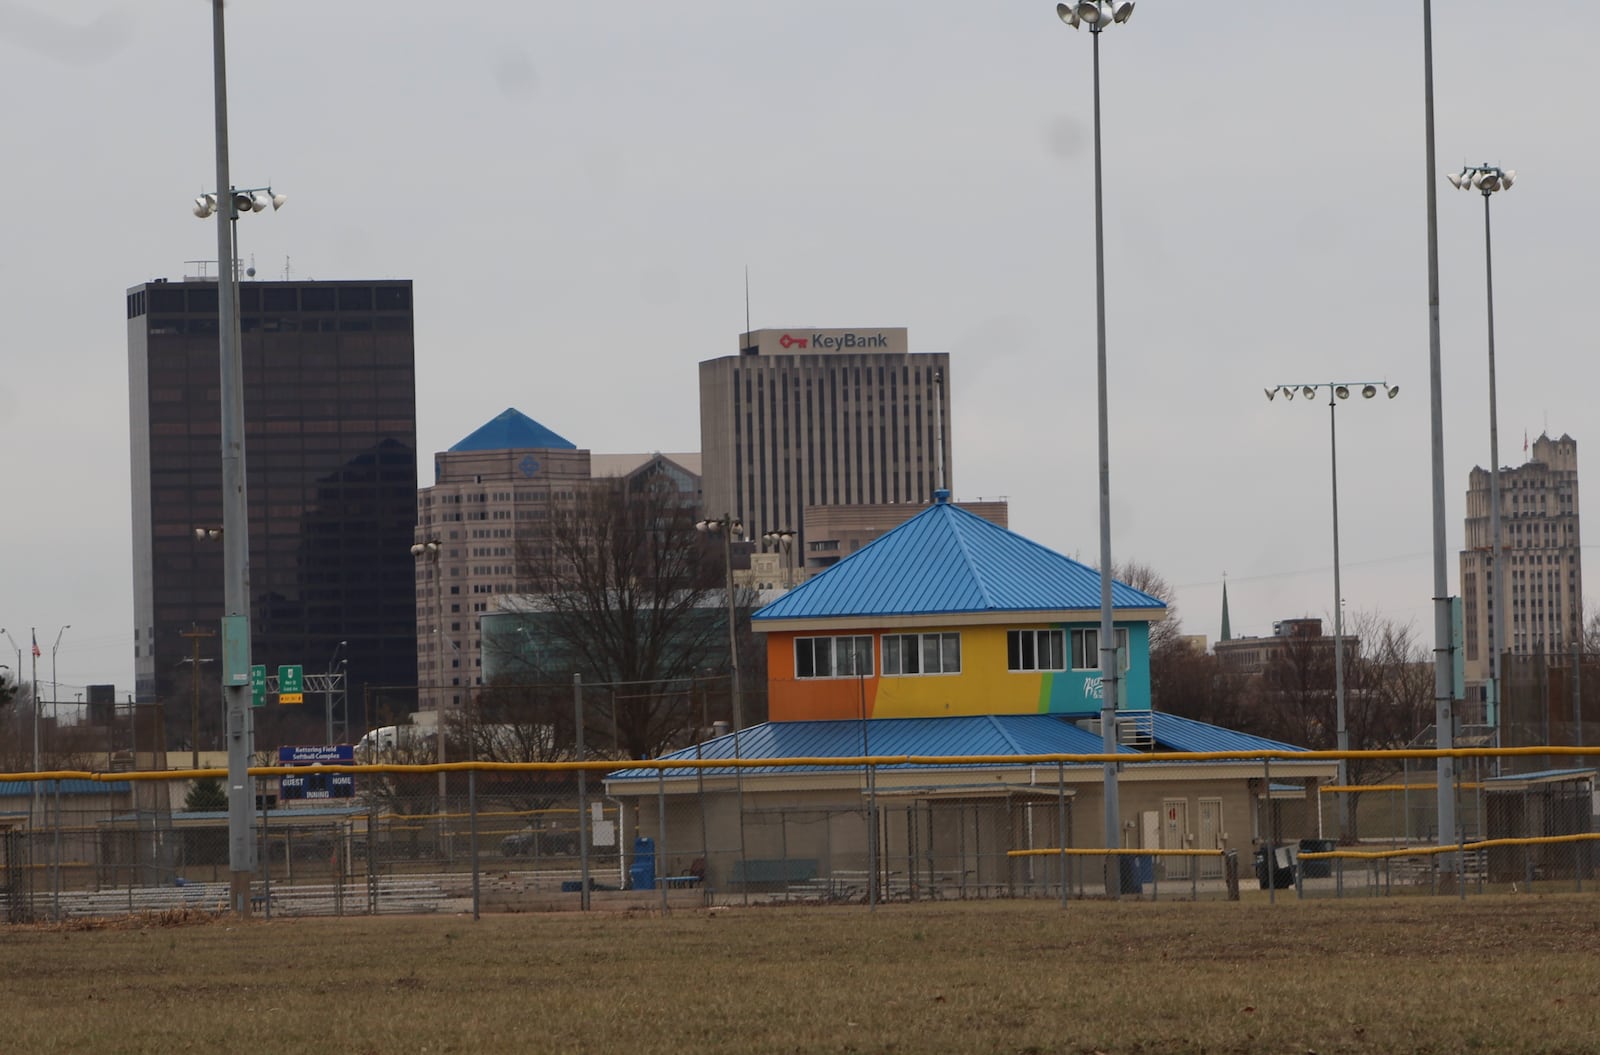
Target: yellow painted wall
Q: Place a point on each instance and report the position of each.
(984, 685)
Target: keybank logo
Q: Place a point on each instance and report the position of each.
(835, 342)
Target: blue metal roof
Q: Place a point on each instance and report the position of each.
(997, 734)
(512, 430)
(1186, 734)
(947, 560)
(75, 786)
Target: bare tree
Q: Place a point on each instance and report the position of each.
(1167, 633)
(628, 593)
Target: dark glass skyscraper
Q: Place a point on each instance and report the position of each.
(330, 457)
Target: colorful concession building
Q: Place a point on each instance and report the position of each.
(953, 637)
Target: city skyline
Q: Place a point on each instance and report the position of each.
(577, 198)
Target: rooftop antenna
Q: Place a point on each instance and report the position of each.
(938, 430)
(747, 298)
(286, 268)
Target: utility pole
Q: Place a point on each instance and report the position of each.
(195, 634)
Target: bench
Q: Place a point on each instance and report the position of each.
(778, 871)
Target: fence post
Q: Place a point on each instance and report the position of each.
(472, 830)
(1269, 857)
(583, 797)
(55, 863)
(661, 835)
(1061, 825)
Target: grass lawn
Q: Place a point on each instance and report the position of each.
(1493, 974)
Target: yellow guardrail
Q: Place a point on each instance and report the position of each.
(1121, 852)
(852, 762)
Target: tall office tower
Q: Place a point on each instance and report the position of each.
(1542, 568)
(804, 417)
(494, 499)
(331, 470)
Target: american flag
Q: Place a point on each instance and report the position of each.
(36, 652)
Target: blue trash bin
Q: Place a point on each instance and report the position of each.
(642, 873)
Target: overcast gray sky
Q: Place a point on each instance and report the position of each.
(576, 190)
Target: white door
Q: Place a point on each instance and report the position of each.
(1174, 836)
(1210, 837)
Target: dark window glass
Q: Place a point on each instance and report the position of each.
(163, 299)
(280, 298)
(249, 297)
(316, 298)
(355, 298)
(393, 298)
(203, 301)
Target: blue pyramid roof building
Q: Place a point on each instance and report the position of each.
(512, 430)
(946, 560)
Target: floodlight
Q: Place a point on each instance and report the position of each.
(1507, 178)
(1068, 14)
(205, 205)
(1342, 391)
(1368, 391)
(1309, 391)
(259, 201)
(1122, 11)
(1270, 393)
(1457, 179)
(1288, 392)
(1089, 11)
(1394, 390)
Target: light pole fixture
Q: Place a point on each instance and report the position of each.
(729, 527)
(784, 540)
(1338, 390)
(1098, 14)
(207, 534)
(1486, 179)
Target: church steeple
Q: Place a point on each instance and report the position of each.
(1227, 631)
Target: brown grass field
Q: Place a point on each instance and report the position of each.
(1493, 974)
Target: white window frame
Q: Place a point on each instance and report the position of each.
(841, 653)
(1080, 638)
(1032, 650)
(947, 646)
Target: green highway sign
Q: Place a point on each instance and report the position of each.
(258, 685)
(291, 684)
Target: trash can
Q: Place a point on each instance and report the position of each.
(1147, 868)
(1283, 867)
(1323, 868)
(642, 873)
(1128, 874)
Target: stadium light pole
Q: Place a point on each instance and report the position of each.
(427, 551)
(1098, 14)
(55, 694)
(1487, 179)
(727, 525)
(1443, 645)
(1337, 390)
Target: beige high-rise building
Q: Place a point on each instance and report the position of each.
(804, 417)
(1542, 567)
(496, 491)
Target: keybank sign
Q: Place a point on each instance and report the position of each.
(833, 342)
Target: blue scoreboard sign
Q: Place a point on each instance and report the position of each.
(317, 785)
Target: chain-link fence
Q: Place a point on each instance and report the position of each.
(504, 837)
